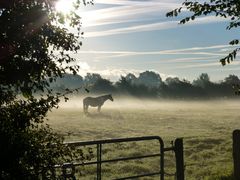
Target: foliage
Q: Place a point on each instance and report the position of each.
(220, 8)
(67, 80)
(149, 78)
(34, 46)
(202, 81)
(91, 78)
(103, 86)
(173, 87)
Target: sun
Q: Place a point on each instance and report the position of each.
(64, 6)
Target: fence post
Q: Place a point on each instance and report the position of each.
(99, 161)
(236, 154)
(178, 144)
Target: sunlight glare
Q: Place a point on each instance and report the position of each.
(64, 6)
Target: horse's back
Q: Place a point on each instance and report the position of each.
(87, 99)
(91, 101)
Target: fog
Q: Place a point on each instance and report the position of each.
(144, 103)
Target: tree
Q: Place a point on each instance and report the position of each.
(149, 78)
(34, 48)
(202, 81)
(91, 78)
(232, 83)
(131, 78)
(103, 86)
(221, 8)
(124, 86)
(67, 81)
(232, 80)
(174, 87)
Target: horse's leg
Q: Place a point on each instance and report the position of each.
(99, 108)
(84, 108)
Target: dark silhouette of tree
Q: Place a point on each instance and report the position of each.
(91, 78)
(124, 86)
(102, 86)
(232, 79)
(172, 87)
(128, 87)
(227, 9)
(202, 81)
(149, 78)
(176, 88)
(34, 48)
(67, 81)
(131, 78)
(231, 84)
(211, 89)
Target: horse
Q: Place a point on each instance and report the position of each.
(95, 101)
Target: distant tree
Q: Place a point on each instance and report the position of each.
(149, 78)
(34, 48)
(212, 89)
(102, 86)
(176, 88)
(172, 80)
(227, 9)
(91, 78)
(131, 78)
(231, 84)
(69, 81)
(202, 81)
(124, 86)
(232, 80)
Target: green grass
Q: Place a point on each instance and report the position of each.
(206, 128)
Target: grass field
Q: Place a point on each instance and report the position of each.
(205, 126)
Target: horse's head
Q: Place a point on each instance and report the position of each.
(110, 97)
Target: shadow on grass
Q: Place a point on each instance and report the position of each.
(98, 115)
(101, 115)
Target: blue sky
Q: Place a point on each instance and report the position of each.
(122, 36)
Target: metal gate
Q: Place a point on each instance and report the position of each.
(177, 148)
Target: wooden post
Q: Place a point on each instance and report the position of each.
(178, 144)
(236, 154)
(99, 161)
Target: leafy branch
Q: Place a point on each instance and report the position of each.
(220, 8)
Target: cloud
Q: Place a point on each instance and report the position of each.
(111, 74)
(216, 66)
(209, 56)
(152, 27)
(83, 65)
(127, 16)
(202, 65)
(129, 11)
(136, 2)
(189, 51)
(114, 74)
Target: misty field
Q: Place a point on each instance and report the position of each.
(206, 128)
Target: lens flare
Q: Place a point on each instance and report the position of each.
(64, 6)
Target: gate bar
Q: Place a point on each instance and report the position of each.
(143, 175)
(109, 141)
(99, 161)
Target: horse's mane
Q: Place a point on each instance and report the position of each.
(106, 95)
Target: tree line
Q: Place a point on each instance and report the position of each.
(150, 84)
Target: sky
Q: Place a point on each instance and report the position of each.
(132, 36)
